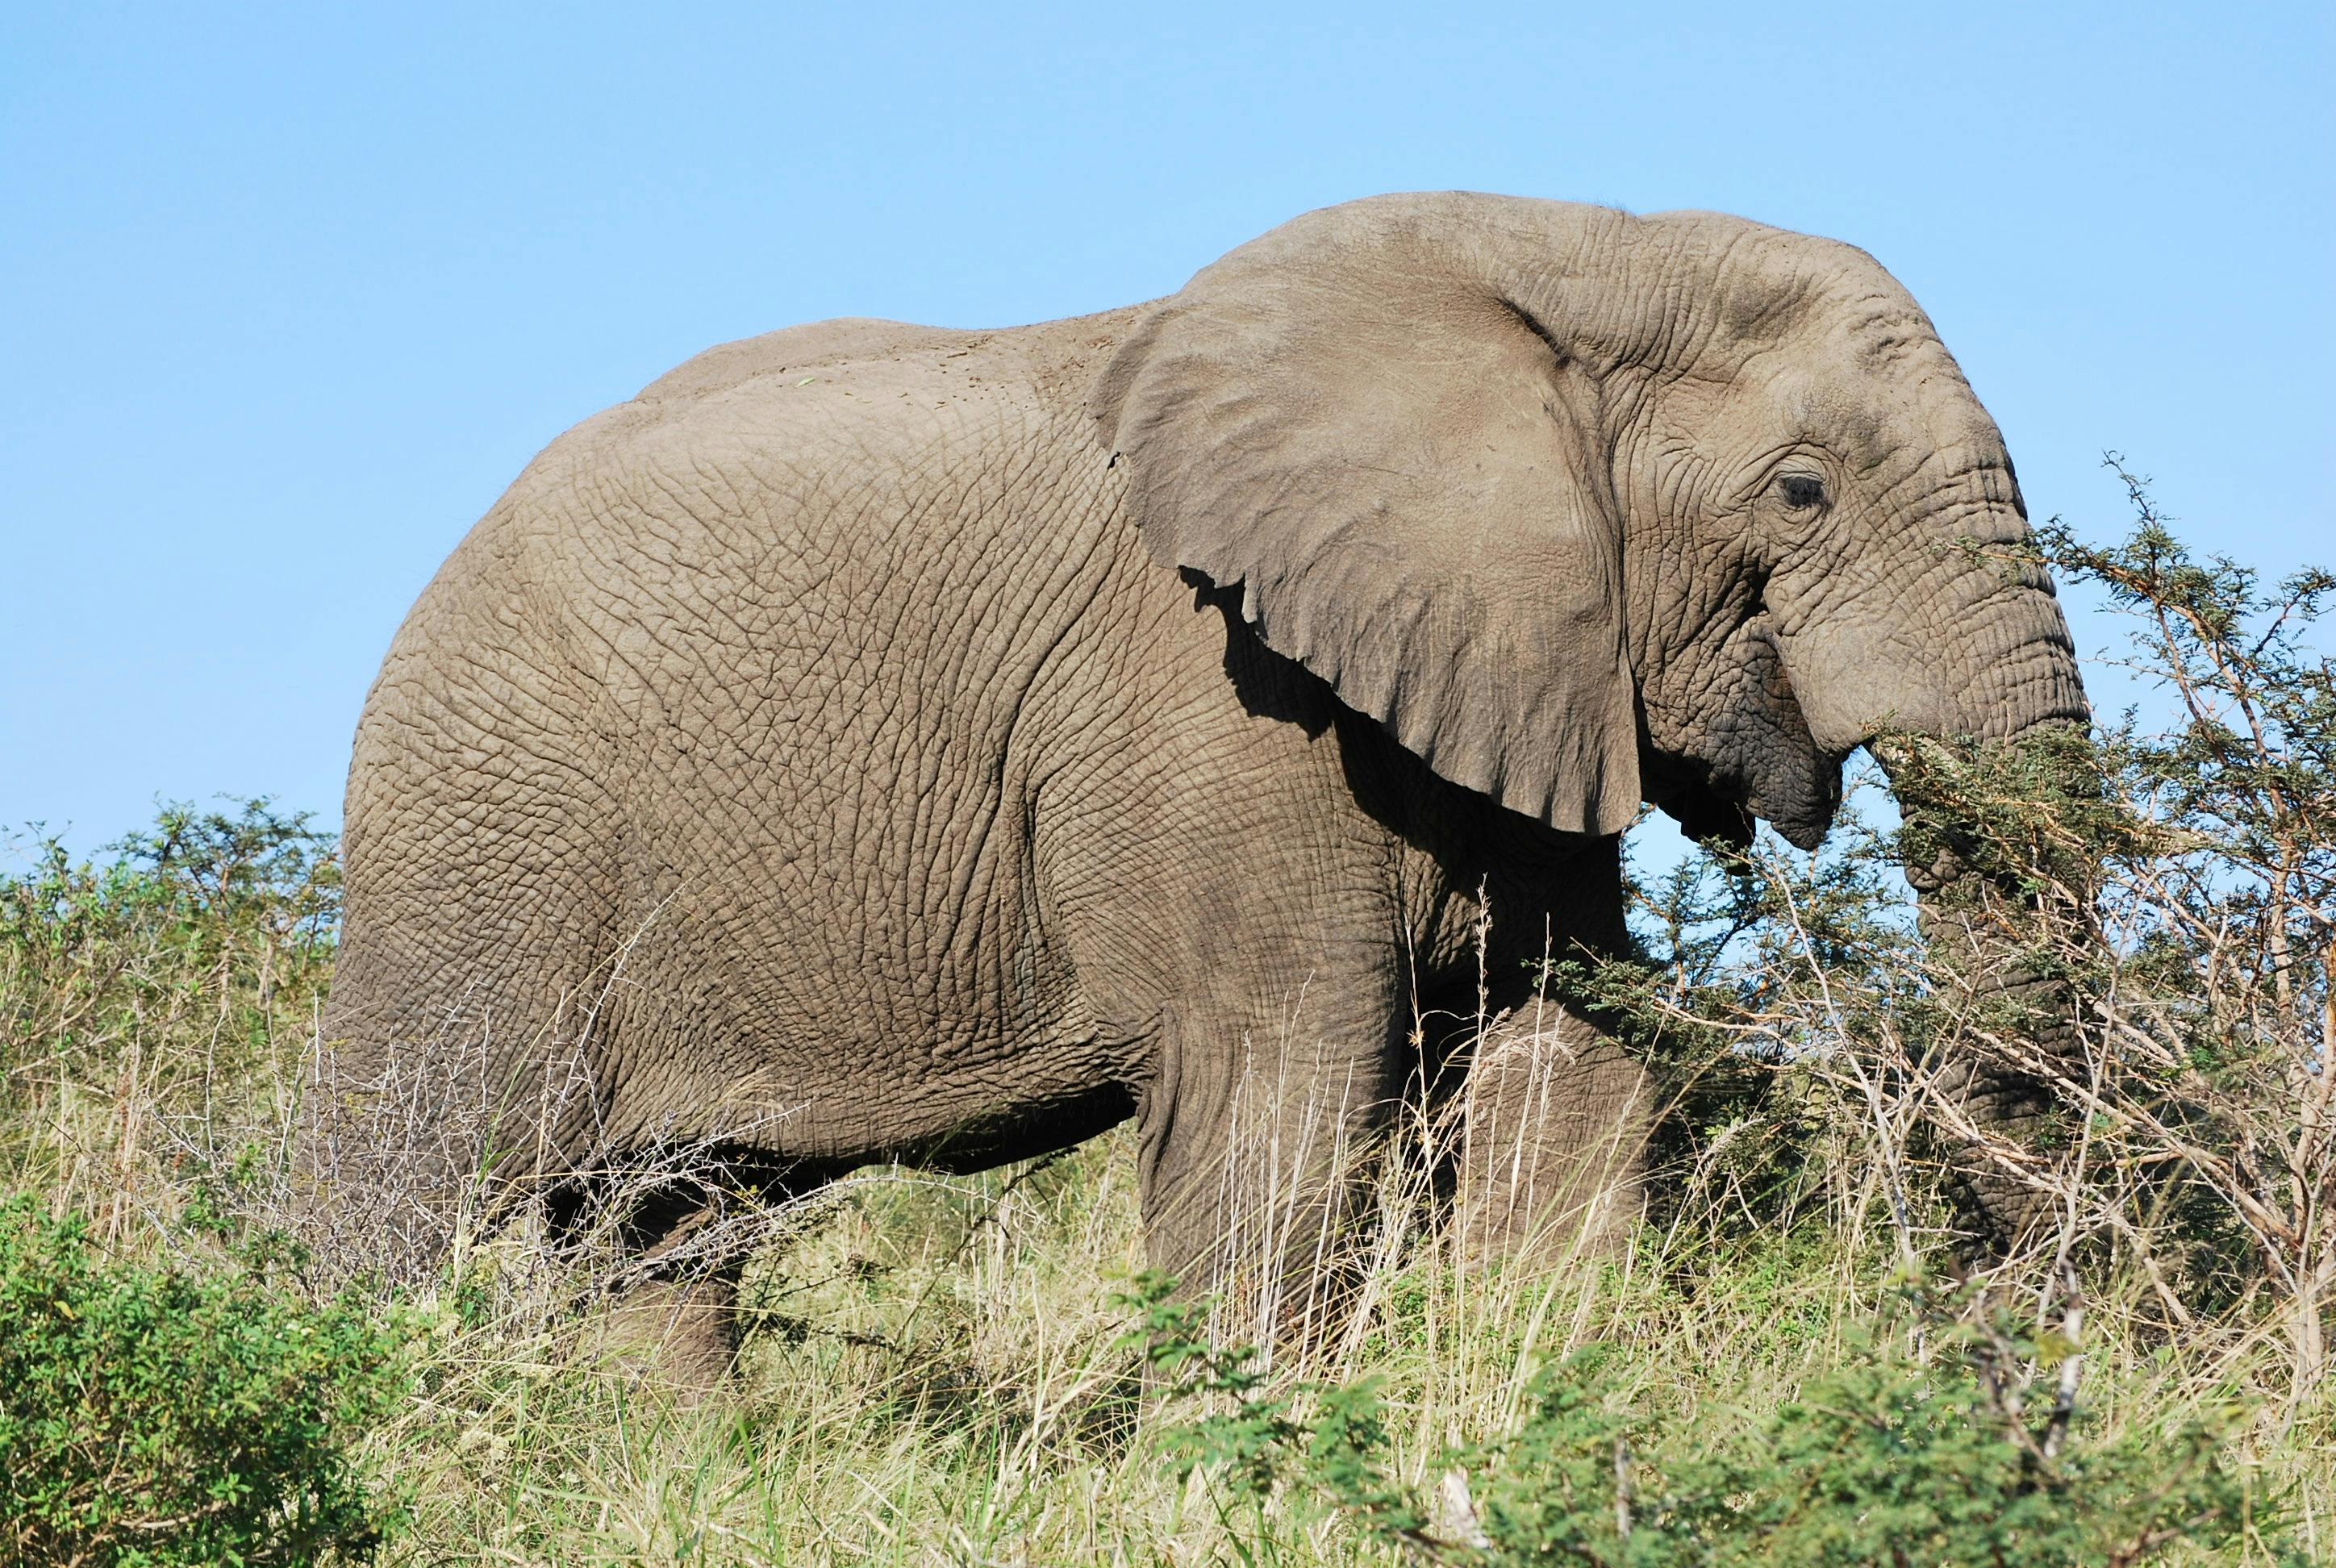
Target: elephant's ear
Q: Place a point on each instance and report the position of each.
(1409, 479)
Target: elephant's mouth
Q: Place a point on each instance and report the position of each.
(1751, 756)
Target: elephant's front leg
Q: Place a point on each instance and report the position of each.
(1258, 1143)
(1553, 1116)
(1554, 1121)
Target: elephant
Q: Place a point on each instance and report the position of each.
(876, 742)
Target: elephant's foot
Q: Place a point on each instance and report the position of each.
(677, 1338)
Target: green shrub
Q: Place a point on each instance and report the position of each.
(1939, 1461)
(160, 1415)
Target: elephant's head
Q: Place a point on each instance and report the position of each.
(1588, 508)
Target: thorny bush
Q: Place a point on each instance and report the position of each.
(2179, 878)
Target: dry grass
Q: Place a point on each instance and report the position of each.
(939, 1372)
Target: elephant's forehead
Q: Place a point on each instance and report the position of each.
(1768, 287)
(1848, 357)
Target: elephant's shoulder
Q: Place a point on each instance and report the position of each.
(814, 346)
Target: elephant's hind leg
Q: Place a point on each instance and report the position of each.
(457, 1065)
(676, 1251)
(678, 1336)
(454, 1083)
(671, 1320)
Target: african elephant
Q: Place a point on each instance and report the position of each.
(876, 741)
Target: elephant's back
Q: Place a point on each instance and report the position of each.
(825, 486)
(837, 579)
(845, 339)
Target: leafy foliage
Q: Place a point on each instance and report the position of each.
(200, 924)
(164, 1415)
(1880, 1460)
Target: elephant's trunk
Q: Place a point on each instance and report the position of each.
(1995, 923)
(1950, 661)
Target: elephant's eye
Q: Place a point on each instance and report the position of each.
(1802, 490)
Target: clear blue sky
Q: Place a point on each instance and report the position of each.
(292, 293)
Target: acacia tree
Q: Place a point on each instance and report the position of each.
(2169, 880)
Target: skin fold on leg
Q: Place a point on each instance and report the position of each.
(1255, 1183)
(1555, 1119)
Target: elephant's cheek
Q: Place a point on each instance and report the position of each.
(1757, 752)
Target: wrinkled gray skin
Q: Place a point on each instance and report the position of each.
(877, 740)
